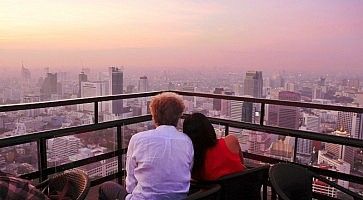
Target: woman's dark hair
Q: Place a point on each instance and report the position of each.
(201, 132)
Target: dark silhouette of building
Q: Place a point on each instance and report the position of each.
(49, 86)
(247, 112)
(285, 116)
(143, 84)
(82, 77)
(253, 84)
(116, 79)
(217, 102)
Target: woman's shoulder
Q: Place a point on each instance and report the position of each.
(232, 143)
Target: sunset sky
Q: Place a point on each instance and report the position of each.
(255, 34)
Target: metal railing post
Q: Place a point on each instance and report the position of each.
(226, 130)
(42, 158)
(96, 111)
(262, 116)
(119, 157)
(295, 149)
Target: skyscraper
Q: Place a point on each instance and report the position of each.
(25, 77)
(285, 116)
(226, 105)
(143, 84)
(217, 102)
(247, 112)
(236, 110)
(253, 84)
(82, 77)
(92, 89)
(116, 83)
(49, 86)
(352, 123)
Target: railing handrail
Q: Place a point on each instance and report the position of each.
(273, 101)
(41, 137)
(75, 101)
(67, 102)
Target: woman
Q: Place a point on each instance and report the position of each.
(213, 158)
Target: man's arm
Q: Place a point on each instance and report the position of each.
(130, 167)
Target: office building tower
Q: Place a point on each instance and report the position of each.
(226, 105)
(352, 123)
(341, 152)
(323, 188)
(322, 81)
(290, 87)
(258, 142)
(305, 146)
(327, 158)
(285, 116)
(236, 110)
(94, 89)
(307, 92)
(31, 99)
(143, 84)
(25, 77)
(253, 84)
(116, 83)
(63, 147)
(281, 149)
(82, 77)
(317, 92)
(49, 86)
(217, 102)
(247, 112)
(188, 87)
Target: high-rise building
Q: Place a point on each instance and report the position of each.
(236, 110)
(352, 123)
(31, 99)
(93, 89)
(226, 105)
(63, 147)
(82, 77)
(290, 87)
(305, 146)
(247, 112)
(49, 86)
(253, 84)
(25, 77)
(317, 92)
(285, 116)
(307, 92)
(143, 84)
(116, 83)
(323, 188)
(281, 149)
(217, 102)
(341, 152)
(327, 158)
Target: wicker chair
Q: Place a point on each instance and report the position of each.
(291, 181)
(204, 192)
(73, 184)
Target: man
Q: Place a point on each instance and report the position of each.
(159, 161)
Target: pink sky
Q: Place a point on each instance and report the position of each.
(254, 34)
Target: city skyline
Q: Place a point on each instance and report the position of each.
(264, 35)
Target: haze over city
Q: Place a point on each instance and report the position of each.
(239, 63)
(263, 35)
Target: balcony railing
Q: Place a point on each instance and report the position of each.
(41, 137)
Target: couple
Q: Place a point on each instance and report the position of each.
(161, 162)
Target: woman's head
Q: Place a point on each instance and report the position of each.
(201, 132)
(166, 108)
